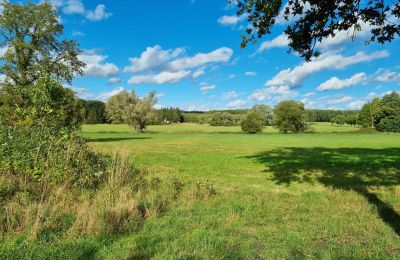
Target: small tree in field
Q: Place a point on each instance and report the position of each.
(254, 122)
(127, 107)
(266, 112)
(290, 116)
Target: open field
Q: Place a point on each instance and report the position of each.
(333, 193)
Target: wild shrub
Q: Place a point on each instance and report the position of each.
(253, 123)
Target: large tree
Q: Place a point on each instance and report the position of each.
(309, 22)
(290, 116)
(127, 107)
(32, 37)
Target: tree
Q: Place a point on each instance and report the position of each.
(32, 36)
(369, 113)
(312, 21)
(94, 111)
(290, 116)
(223, 119)
(266, 112)
(127, 107)
(254, 121)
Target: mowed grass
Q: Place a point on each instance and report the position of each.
(329, 194)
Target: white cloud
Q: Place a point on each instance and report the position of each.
(229, 95)
(98, 14)
(73, 7)
(250, 73)
(336, 83)
(231, 76)
(164, 77)
(171, 66)
(236, 104)
(382, 75)
(329, 61)
(228, 20)
(152, 58)
(309, 94)
(104, 96)
(356, 105)
(95, 66)
(274, 93)
(219, 55)
(114, 80)
(205, 87)
(280, 41)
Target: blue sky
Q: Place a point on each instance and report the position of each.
(188, 52)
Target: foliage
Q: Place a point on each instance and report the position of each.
(290, 116)
(254, 121)
(127, 107)
(31, 35)
(168, 115)
(94, 111)
(223, 119)
(319, 115)
(266, 112)
(311, 22)
(45, 105)
(382, 113)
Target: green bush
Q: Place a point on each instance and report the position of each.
(223, 119)
(253, 123)
(290, 116)
(38, 153)
(389, 124)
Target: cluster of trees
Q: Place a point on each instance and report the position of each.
(223, 119)
(382, 113)
(93, 111)
(341, 119)
(287, 116)
(320, 115)
(168, 115)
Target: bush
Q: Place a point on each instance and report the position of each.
(389, 124)
(39, 154)
(253, 123)
(223, 119)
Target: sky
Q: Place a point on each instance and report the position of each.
(188, 51)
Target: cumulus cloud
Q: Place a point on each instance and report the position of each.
(309, 94)
(274, 93)
(160, 78)
(336, 83)
(356, 105)
(229, 95)
(229, 20)
(72, 7)
(329, 61)
(250, 73)
(236, 104)
(382, 75)
(98, 14)
(171, 66)
(104, 96)
(280, 41)
(219, 55)
(95, 66)
(114, 81)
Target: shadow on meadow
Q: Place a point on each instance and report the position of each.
(354, 169)
(115, 139)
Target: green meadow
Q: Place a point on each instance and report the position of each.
(330, 193)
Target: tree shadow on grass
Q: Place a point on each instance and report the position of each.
(115, 139)
(354, 169)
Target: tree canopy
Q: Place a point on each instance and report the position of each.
(309, 22)
(32, 37)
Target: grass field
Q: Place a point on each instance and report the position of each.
(333, 193)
